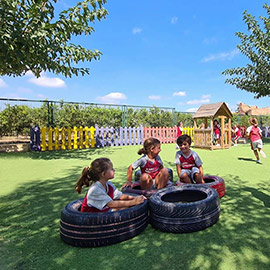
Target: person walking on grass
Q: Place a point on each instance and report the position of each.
(255, 135)
(237, 134)
(154, 175)
(102, 196)
(188, 163)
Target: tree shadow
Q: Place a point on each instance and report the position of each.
(63, 154)
(30, 233)
(259, 195)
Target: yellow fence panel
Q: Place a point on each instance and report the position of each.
(67, 138)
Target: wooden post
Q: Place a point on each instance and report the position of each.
(230, 132)
(222, 131)
(205, 123)
(212, 126)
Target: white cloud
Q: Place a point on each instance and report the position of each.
(192, 109)
(206, 96)
(181, 94)
(174, 20)
(112, 98)
(155, 97)
(136, 30)
(2, 83)
(198, 101)
(47, 81)
(221, 56)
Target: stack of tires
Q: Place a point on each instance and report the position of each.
(101, 229)
(184, 209)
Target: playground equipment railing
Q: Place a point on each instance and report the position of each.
(89, 137)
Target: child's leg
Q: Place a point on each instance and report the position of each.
(146, 181)
(162, 178)
(198, 178)
(184, 178)
(256, 154)
(262, 153)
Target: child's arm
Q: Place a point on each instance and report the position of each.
(201, 170)
(129, 177)
(125, 197)
(178, 169)
(126, 203)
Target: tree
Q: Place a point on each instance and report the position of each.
(31, 38)
(255, 77)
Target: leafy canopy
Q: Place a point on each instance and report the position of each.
(31, 38)
(255, 77)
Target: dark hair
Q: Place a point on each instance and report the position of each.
(183, 138)
(253, 121)
(92, 174)
(147, 145)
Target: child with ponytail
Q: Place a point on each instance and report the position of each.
(255, 135)
(102, 196)
(153, 174)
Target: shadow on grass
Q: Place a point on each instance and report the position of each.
(247, 159)
(30, 238)
(63, 154)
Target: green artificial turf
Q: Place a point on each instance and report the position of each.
(36, 186)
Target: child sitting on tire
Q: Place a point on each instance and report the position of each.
(153, 174)
(188, 163)
(102, 196)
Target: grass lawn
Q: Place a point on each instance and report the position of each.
(36, 186)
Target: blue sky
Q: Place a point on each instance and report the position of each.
(163, 53)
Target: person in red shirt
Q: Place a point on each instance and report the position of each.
(216, 131)
(237, 134)
(179, 129)
(255, 135)
(102, 196)
(154, 175)
(188, 163)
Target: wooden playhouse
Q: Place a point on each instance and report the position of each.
(206, 114)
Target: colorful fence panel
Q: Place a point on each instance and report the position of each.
(89, 137)
(166, 134)
(67, 138)
(118, 136)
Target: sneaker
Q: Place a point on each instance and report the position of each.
(236, 145)
(262, 154)
(258, 161)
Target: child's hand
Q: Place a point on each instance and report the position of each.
(127, 184)
(140, 199)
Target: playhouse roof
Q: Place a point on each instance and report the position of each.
(213, 110)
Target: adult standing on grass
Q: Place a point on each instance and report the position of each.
(255, 135)
(179, 129)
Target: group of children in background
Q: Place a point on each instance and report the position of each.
(103, 196)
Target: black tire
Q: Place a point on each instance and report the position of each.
(212, 181)
(183, 209)
(101, 229)
(136, 189)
